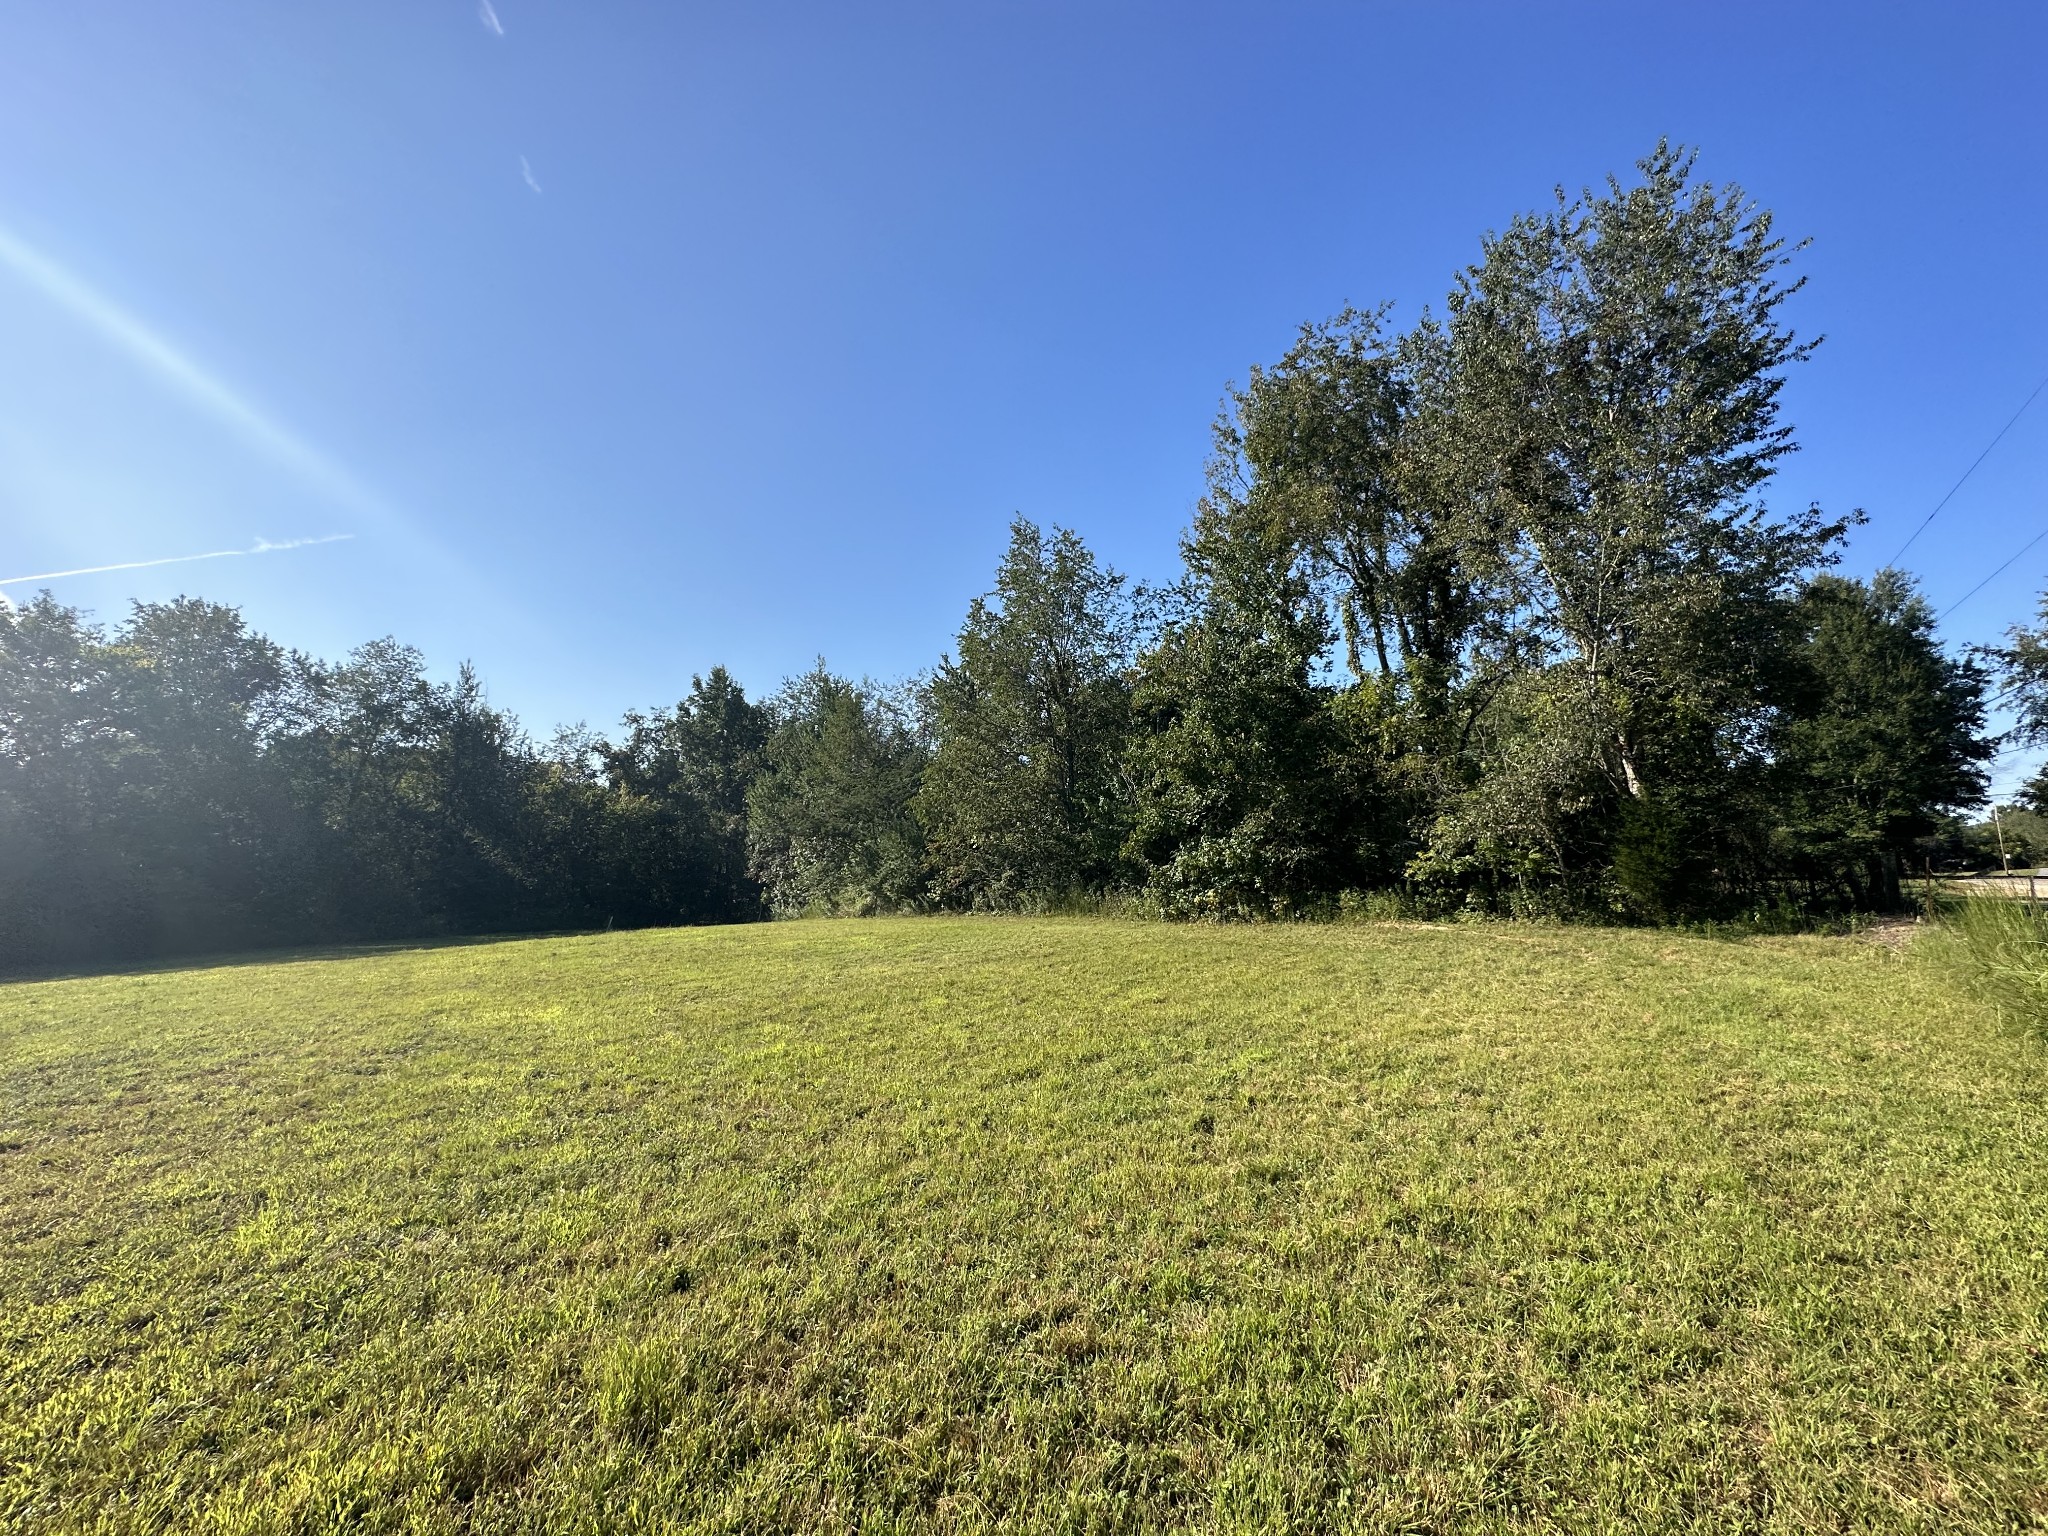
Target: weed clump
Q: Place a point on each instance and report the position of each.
(637, 1389)
(1997, 950)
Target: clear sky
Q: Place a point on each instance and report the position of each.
(624, 339)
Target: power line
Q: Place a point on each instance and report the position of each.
(1952, 607)
(2016, 415)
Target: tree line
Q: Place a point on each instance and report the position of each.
(1488, 614)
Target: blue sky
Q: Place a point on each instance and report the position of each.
(623, 339)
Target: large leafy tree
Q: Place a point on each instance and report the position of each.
(62, 761)
(358, 756)
(202, 697)
(831, 824)
(1338, 462)
(1880, 738)
(1024, 799)
(1251, 800)
(1329, 445)
(693, 765)
(1612, 384)
(2022, 667)
(477, 775)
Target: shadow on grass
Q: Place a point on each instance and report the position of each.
(169, 965)
(1856, 925)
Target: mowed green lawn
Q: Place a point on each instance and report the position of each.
(1025, 1225)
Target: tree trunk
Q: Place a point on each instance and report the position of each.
(1632, 779)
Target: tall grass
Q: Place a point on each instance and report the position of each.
(1997, 948)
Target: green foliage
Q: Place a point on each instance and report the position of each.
(1024, 801)
(1332, 444)
(1024, 1225)
(1653, 863)
(695, 763)
(182, 785)
(2017, 835)
(1250, 800)
(1878, 738)
(830, 814)
(1610, 405)
(1591, 675)
(2023, 663)
(1997, 949)
(1596, 675)
(128, 792)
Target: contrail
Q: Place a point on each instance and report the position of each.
(200, 389)
(488, 15)
(190, 380)
(260, 547)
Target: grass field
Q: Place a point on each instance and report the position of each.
(1059, 1225)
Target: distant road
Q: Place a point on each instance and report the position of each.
(2018, 883)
